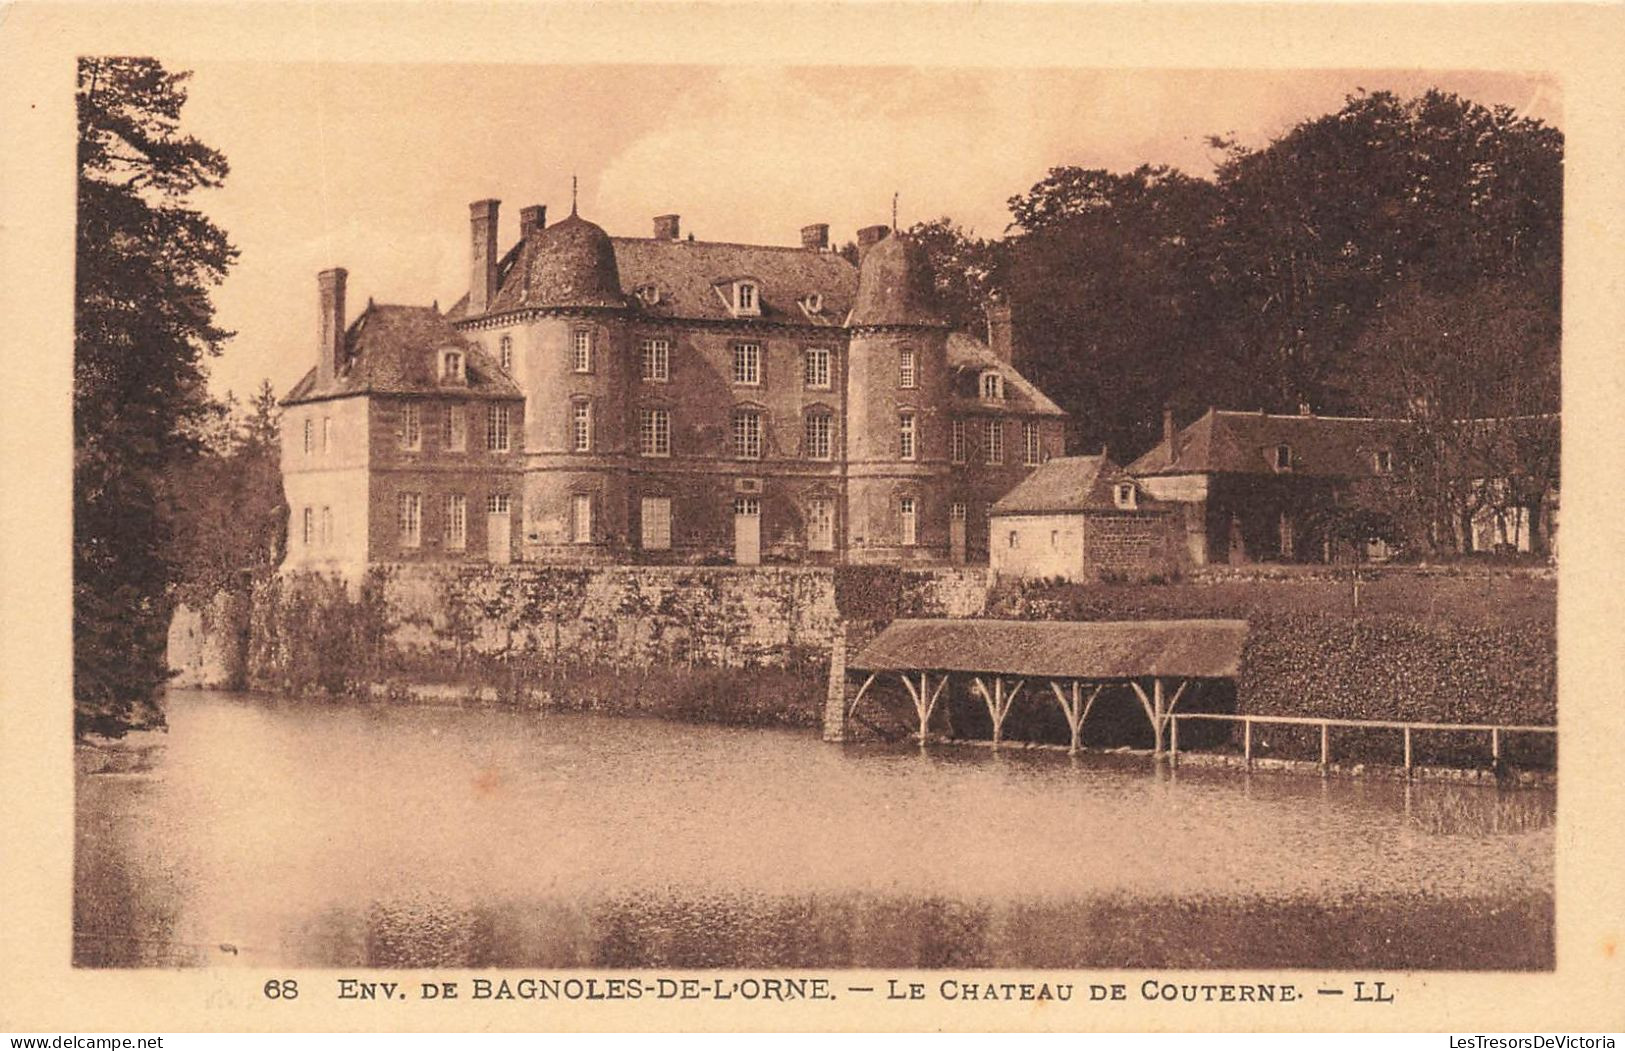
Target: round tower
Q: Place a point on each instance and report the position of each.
(572, 365)
(898, 391)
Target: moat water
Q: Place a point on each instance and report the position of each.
(261, 831)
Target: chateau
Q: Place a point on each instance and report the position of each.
(597, 399)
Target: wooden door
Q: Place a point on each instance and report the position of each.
(747, 530)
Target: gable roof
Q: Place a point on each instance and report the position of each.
(1196, 649)
(1223, 442)
(969, 357)
(1066, 483)
(393, 349)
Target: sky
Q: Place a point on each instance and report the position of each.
(372, 167)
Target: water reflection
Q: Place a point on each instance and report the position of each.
(261, 832)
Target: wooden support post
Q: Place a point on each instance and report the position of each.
(1159, 715)
(924, 707)
(1173, 739)
(1495, 744)
(1247, 740)
(1407, 751)
(1325, 745)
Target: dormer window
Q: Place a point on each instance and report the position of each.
(1124, 496)
(992, 386)
(747, 301)
(814, 303)
(451, 367)
(649, 294)
(1382, 461)
(1283, 457)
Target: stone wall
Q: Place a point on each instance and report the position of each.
(206, 645)
(1131, 545)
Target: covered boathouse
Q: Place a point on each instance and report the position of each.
(1066, 663)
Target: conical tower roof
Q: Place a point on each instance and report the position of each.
(894, 286)
(571, 264)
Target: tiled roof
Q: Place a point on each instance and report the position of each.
(1200, 649)
(969, 357)
(1245, 443)
(1066, 483)
(396, 350)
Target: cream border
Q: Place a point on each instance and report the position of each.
(40, 992)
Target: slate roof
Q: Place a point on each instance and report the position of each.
(1197, 649)
(969, 357)
(1224, 442)
(396, 350)
(1065, 484)
(894, 286)
(685, 278)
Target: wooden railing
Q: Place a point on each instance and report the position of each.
(1495, 731)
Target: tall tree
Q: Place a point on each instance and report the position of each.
(143, 326)
(964, 270)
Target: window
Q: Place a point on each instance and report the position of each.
(451, 366)
(496, 428)
(748, 434)
(654, 432)
(656, 360)
(1015, 539)
(820, 435)
(1031, 449)
(327, 434)
(455, 431)
(411, 519)
(327, 526)
(906, 506)
(1382, 461)
(821, 524)
(456, 521)
(1054, 539)
(581, 426)
(956, 442)
(411, 427)
(993, 442)
(656, 519)
(310, 436)
(581, 518)
(581, 350)
(905, 368)
(1125, 496)
(747, 507)
(505, 353)
(818, 376)
(309, 533)
(905, 436)
(746, 301)
(498, 504)
(992, 386)
(1283, 457)
(748, 364)
(956, 511)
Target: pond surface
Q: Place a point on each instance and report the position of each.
(262, 831)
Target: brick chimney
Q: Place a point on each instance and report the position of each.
(667, 228)
(815, 237)
(330, 330)
(482, 284)
(1000, 330)
(870, 236)
(1170, 435)
(532, 219)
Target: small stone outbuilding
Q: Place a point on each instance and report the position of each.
(1083, 518)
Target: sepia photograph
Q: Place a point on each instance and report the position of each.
(692, 517)
(671, 517)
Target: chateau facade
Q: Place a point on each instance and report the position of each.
(662, 399)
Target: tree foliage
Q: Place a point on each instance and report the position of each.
(143, 327)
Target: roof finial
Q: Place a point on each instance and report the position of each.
(572, 194)
(894, 211)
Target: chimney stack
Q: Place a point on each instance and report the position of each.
(1000, 330)
(532, 219)
(815, 237)
(667, 228)
(1170, 435)
(330, 345)
(870, 236)
(482, 285)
